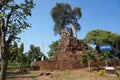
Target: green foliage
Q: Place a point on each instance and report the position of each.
(82, 60)
(20, 53)
(17, 55)
(53, 48)
(15, 16)
(90, 54)
(33, 53)
(13, 20)
(101, 72)
(21, 59)
(102, 37)
(63, 14)
(13, 51)
(103, 55)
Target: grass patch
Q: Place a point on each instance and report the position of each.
(82, 75)
(72, 75)
(79, 74)
(118, 72)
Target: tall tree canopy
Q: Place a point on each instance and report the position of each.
(34, 53)
(13, 20)
(63, 15)
(53, 48)
(13, 51)
(102, 37)
(20, 58)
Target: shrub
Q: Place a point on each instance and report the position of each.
(101, 72)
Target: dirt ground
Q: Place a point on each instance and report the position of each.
(76, 74)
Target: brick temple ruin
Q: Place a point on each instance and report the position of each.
(68, 54)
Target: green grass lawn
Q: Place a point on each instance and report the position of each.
(77, 74)
(74, 75)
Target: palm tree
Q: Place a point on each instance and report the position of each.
(63, 15)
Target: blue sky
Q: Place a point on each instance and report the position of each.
(96, 14)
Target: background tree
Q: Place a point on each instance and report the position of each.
(102, 37)
(90, 54)
(53, 48)
(13, 51)
(21, 56)
(63, 15)
(34, 53)
(13, 18)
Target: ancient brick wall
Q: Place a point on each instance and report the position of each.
(60, 64)
(68, 54)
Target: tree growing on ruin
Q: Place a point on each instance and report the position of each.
(63, 15)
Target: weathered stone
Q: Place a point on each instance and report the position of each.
(68, 54)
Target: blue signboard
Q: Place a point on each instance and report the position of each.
(106, 47)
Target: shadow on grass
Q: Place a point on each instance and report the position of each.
(12, 74)
(17, 73)
(117, 68)
(25, 75)
(20, 74)
(12, 77)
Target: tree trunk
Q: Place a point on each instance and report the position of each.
(89, 61)
(4, 69)
(73, 30)
(20, 66)
(4, 53)
(81, 61)
(4, 50)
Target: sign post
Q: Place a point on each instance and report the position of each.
(106, 48)
(109, 69)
